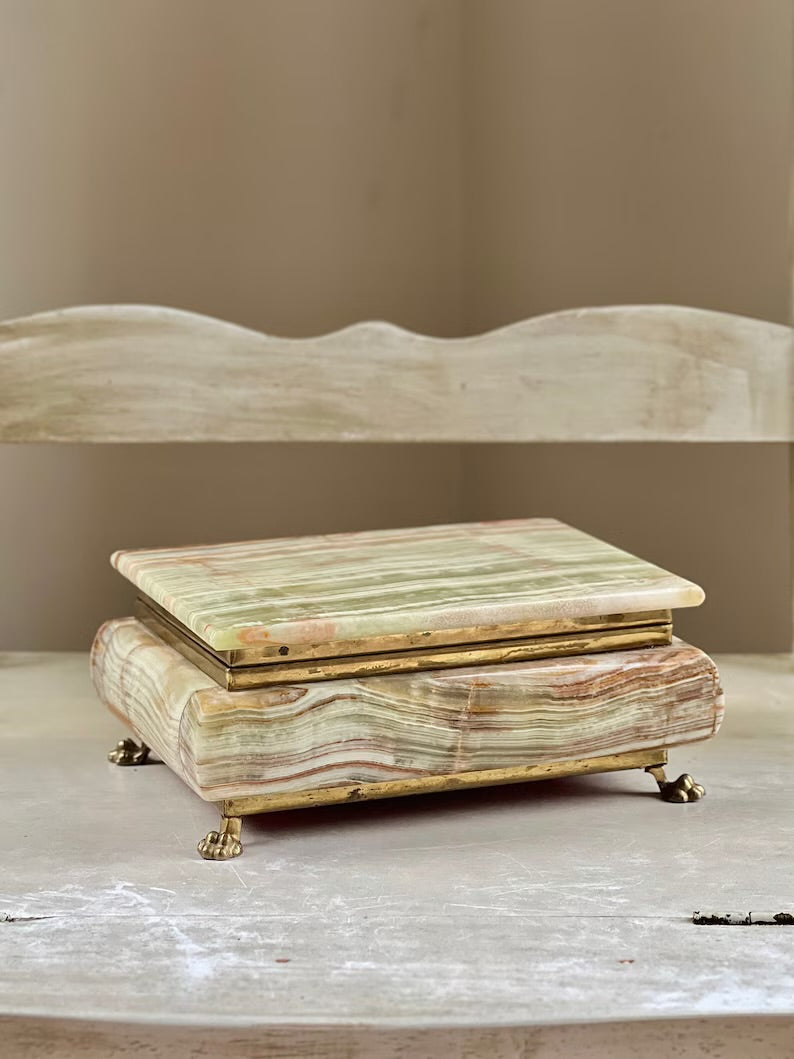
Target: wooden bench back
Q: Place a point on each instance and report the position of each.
(634, 373)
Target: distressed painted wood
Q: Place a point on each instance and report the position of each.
(635, 373)
(524, 909)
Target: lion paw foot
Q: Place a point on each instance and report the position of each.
(684, 789)
(223, 844)
(128, 752)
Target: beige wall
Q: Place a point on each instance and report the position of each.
(287, 164)
(626, 151)
(637, 151)
(295, 165)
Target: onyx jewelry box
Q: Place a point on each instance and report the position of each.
(303, 671)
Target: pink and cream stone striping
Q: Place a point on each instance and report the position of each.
(347, 586)
(296, 737)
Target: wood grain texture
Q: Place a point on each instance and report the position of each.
(726, 1038)
(633, 373)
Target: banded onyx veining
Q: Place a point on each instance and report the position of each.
(295, 593)
(230, 744)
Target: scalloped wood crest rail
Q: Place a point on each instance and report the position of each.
(634, 373)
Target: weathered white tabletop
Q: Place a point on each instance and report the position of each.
(483, 922)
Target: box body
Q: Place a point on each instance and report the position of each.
(296, 737)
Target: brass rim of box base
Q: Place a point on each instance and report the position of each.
(358, 792)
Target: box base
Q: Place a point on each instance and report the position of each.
(339, 741)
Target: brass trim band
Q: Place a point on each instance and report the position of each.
(358, 792)
(264, 654)
(584, 640)
(241, 677)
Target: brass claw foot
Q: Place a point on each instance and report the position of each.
(684, 789)
(127, 752)
(223, 844)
